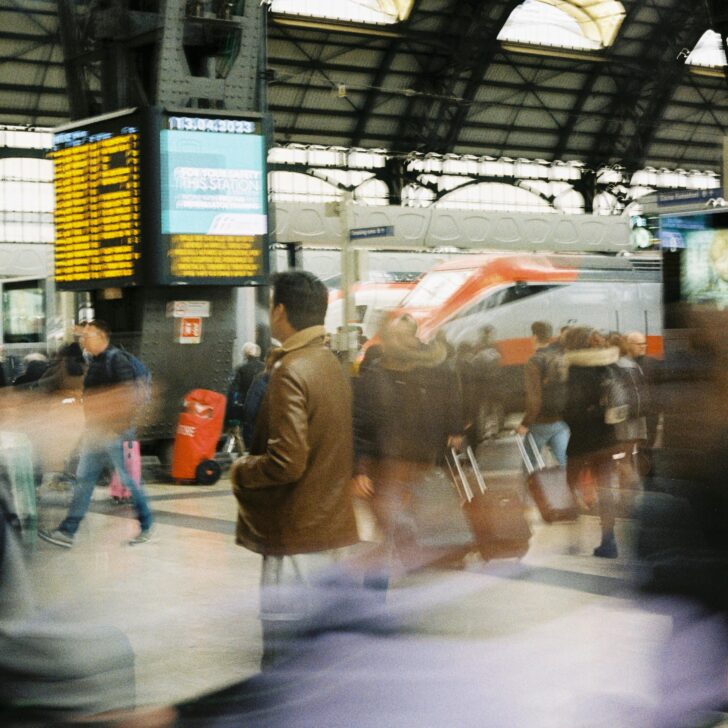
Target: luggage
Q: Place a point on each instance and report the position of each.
(133, 466)
(548, 487)
(496, 517)
(17, 484)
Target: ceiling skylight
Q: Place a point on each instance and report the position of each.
(708, 51)
(380, 12)
(572, 24)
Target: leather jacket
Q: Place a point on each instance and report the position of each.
(293, 491)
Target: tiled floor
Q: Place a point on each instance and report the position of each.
(188, 601)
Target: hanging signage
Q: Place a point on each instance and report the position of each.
(97, 176)
(185, 309)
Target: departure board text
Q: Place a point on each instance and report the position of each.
(215, 256)
(98, 201)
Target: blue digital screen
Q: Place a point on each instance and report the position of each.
(213, 216)
(213, 183)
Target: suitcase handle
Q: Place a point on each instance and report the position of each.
(540, 464)
(459, 476)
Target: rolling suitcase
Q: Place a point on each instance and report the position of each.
(496, 517)
(548, 486)
(133, 466)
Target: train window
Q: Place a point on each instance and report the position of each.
(501, 297)
(436, 287)
(23, 312)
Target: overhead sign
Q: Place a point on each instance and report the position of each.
(382, 231)
(182, 309)
(145, 196)
(685, 197)
(214, 202)
(97, 176)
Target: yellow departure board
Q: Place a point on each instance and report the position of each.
(98, 203)
(215, 256)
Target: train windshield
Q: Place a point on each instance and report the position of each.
(436, 287)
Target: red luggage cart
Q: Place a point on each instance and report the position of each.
(199, 429)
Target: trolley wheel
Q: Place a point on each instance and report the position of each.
(208, 472)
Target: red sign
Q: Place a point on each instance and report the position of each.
(189, 330)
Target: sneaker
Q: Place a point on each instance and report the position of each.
(144, 536)
(57, 537)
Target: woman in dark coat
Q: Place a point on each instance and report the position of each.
(407, 410)
(593, 443)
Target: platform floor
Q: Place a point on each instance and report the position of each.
(188, 600)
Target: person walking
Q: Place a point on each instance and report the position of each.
(407, 412)
(593, 441)
(293, 490)
(109, 400)
(546, 375)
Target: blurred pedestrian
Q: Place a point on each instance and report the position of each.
(293, 489)
(62, 383)
(35, 365)
(546, 374)
(652, 369)
(407, 412)
(242, 379)
(110, 402)
(592, 442)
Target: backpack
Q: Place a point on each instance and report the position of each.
(554, 370)
(141, 375)
(621, 397)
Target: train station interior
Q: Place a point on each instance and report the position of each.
(499, 231)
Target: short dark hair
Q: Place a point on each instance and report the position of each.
(304, 296)
(542, 330)
(101, 326)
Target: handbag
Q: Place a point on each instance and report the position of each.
(548, 487)
(496, 516)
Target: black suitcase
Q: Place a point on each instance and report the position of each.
(548, 486)
(496, 516)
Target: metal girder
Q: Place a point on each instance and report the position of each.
(22, 153)
(483, 45)
(366, 112)
(445, 89)
(595, 74)
(630, 124)
(78, 93)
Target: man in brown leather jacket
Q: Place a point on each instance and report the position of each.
(293, 490)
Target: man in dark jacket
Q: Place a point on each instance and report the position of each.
(109, 403)
(242, 379)
(293, 490)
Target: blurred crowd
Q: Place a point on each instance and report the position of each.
(632, 435)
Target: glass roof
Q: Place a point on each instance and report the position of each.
(573, 24)
(708, 51)
(382, 12)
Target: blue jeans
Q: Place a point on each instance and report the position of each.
(95, 454)
(555, 435)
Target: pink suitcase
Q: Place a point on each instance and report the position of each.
(133, 466)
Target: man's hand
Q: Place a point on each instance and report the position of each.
(363, 486)
(522, 430)
(455, 441)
